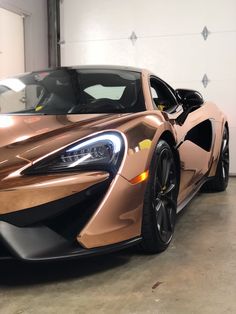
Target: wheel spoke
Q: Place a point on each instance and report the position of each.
(164, 213)
(223, 172)
(157, 204)
(225, 146)
(225, 143)
(225, 150)
(169, 201)
(225, 160)
(165, 171)
(164, 220)
(169, 216)
(169, 189)
(159, 215)
(156, 186)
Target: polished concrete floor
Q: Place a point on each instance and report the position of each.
(197, 274)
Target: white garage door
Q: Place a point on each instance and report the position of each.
(190, 44)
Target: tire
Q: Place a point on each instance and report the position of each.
(220, 182)
(159, 211)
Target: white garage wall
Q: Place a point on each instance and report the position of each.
(36, 33)
(11, 36)
(169, 42)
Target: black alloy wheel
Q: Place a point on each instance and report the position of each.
(159, 212)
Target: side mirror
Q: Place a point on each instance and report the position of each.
(189, 98)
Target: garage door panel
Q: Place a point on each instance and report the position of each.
(97, 52)
(184, 16)
(96, 22)
(222, 92)
(178, 58)
(112, 20)
(220, 15)
(165, 18)
(220, 60)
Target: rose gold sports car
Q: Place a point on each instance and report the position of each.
(95, 159)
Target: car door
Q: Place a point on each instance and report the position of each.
(194, 136)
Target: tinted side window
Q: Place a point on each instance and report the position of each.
(162, 97)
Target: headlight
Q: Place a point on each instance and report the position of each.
(101, 152)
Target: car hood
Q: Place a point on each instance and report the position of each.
(24, 139)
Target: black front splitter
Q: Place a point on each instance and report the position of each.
(40, 243)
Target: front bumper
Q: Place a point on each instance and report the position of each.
(102, 218)
(40, 243)
(48, 231)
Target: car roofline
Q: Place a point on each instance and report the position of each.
(84, 67)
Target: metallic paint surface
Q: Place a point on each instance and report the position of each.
(28, 139)
(105, 227)
(29, 191)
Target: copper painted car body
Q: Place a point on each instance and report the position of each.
(38, 210)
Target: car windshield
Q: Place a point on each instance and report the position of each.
(72, 91)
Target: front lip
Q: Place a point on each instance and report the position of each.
(39, 243)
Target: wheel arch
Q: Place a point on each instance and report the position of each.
(227, 125)
(168, 137)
